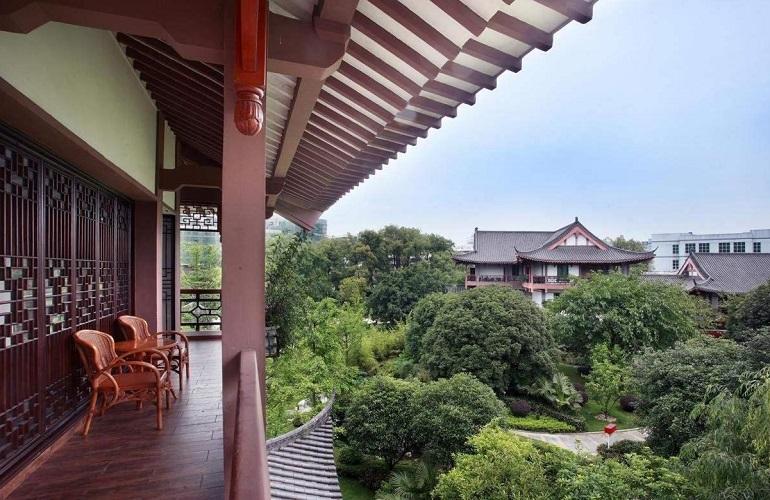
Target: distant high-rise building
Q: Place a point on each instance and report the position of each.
(672, 249)
(279, 225)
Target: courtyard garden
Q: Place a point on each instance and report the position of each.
(432, 387)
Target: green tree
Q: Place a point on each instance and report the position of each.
(414, 483)
(752, 311)
(503, 466)
(421, 317)
(625, 311)
(352, 290)
(449, 411)
(626, 244)
(394, 295)
(493, 333)
(379, 418)
(671, 383)
(201, 265)
(610, 376)
(732, 458)
(639, 476)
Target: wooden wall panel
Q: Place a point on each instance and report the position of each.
(66, 258)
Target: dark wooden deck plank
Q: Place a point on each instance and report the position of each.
(124, 456)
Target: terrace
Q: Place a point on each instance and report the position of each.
(123, 122)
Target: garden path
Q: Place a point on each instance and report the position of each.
(586, 442)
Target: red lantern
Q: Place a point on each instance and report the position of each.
(610, 428)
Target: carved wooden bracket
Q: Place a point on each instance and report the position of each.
(250, 65)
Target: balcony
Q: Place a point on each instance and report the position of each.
(547, 283)
(482, 279)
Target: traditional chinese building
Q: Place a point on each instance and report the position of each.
(123, 123)
(542, 263)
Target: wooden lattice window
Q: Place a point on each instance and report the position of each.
(199, 218)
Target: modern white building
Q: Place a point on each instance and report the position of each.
(672, 249)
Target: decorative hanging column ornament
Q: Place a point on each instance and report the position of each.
(250, 65)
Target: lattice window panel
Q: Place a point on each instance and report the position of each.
(199, 218)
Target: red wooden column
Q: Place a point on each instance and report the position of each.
(148, 262)
(243, 270)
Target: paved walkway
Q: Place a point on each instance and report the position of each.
(585, 442)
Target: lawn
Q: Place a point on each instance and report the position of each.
(625, 420)
(353, 490)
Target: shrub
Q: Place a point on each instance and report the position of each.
(504, 466)
(449, 411)
(379, 419)
(621, 448)
(347, 455)
(535, 423)
(584, 370)
(542, 409)
(610, 375)
(557, 390)
(629, 403)
(519, 407)
(420, 319)
(493, 333)
(370, 471)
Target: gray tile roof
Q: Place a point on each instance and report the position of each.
(586, 255)
(301, 462)
(686, 282)
(732, 272)
(508, 247)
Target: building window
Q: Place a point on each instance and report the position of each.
(724, 248)
(689, 248)
(757, 247)
(675, 249)
(704, 247)
(675, 264)
(739, 246)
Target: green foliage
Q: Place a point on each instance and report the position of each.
(502, 467)
(626, 244)
(367, 470)
(619, 449)
(449, 411)
(557, 390)
(379, 419)
(626, 311)
(201, 265)
(395, 293)
(493, 333)
(671, 383)
(610, 376)
(564, 416)
(352, 290)
(535, 423)
(412, 483)
(752, 311)
(379, 345)
(732, 458)
(421, 318)
(643, 476)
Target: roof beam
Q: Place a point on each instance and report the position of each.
(491, 55)
(519, 30)
(463, 14)
(417, 25)
(578, 10)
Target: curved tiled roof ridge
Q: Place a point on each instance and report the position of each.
(301, 462)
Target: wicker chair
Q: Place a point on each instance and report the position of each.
(117, 379)
(135, 328)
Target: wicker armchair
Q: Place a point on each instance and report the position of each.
(135, 328)
(117, 379)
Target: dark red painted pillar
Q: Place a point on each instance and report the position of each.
(148, 262)
(243, 269)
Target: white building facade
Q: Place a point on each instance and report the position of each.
(672, 249)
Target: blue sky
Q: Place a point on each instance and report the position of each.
(653, 117)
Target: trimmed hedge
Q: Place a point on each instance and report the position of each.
(535, 423)
(620, 449)
(629, 403)
(368, 470)
(519, 407)
(577, 422)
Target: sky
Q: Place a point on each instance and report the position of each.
(653, 117)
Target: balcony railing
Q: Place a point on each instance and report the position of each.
(551, 279)
(495, 278)
(201, 309)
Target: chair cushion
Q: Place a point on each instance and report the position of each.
(129, 380)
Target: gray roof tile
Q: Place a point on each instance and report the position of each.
(301, 462)
(732, 272)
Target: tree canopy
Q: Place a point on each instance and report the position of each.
(751, 311)
(626, 244)
(494, 333)
(626, 311)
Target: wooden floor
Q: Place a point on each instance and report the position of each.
(125, 457)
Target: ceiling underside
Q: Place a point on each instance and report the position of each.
(408, 65)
